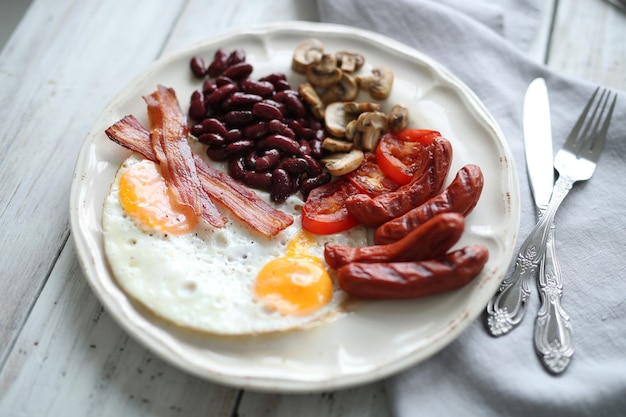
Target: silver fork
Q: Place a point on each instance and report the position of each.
(576, 161)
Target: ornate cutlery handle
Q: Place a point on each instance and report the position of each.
(507, 308)
(554, 339)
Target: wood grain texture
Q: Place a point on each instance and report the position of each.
(61, 354)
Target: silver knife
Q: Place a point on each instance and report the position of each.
(554, 339)
(553, 333)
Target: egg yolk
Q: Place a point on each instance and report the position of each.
(145, 197)
(297, 283)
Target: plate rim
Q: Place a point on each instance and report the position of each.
(87, 260)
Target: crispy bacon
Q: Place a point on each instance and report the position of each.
(168, 136)
(242, 202)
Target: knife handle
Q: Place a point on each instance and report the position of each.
(554, 338)
(507, 307)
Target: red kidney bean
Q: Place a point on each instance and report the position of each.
(222, 80)
(281, 185)
(294, 165)
(208, 86)
(219, 63)
(281, 85)
(197, 108)
(296, 183)
(267, 111)
(301, 131)
(196, 129)
(233, 135)
(249, 160)
(314, 182)
(239, 147)
(262, 88)
(256, 130)
(239, 118)
(274, 77)
(258, 180)
(236, 167)
(221, 93)
(236, 56)
(268, 160)
(305, 147)
(213, 125)
(238, 71)
(212, 139)
(239, 100)
(280, 128)
(198, 67)
(317, 151)
(314, 168)
(217, 154)
(285, 144)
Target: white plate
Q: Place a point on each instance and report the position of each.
(375, 339)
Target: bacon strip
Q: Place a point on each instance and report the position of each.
(242, 202)
(168, 135)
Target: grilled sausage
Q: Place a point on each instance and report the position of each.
(430, 240)
(396, 280)
(461, 196)
(426, 183)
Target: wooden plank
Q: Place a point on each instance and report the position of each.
(366, 401)
(71, 359)
(48, 107)
(588, 42)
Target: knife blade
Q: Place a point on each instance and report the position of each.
(553, 336)
(538, 142)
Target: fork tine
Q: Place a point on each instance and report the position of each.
(596, 140)
(575, 140)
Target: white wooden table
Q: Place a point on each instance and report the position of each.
(60, 353)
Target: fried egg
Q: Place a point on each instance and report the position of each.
(228, 280)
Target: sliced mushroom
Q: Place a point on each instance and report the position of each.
(353, 134)
(342, 163)
(378, 83)
(360, 107)
(324, 73)
(345, 90)
(372, 125)
(336, 145)
(307, 52)
(398, 118)
(336, 119)
(349, 61)
(309, 94)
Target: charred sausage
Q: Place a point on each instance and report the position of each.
(426, 183)
(461, 196)
(430, 240)
(395, 280)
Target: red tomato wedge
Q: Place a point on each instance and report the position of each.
(370, 179)
(399, 154)
(325, 212)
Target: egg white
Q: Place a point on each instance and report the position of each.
(205, 280)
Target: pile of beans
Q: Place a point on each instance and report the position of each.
(262, 128)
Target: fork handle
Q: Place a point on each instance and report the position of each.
(554, 338)
(507, 307)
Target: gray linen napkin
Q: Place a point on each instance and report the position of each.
(481, 41)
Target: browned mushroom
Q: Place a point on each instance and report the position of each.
(345, 90)
(342, 163)
(349, 61)
(398, 118)
(336, 119)
(378, 83)
(309, 94)
(372, 125)
(307, 52)
(336, 145)
(324, 73)
(360, 107)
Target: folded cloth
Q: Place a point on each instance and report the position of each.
(478, 375)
